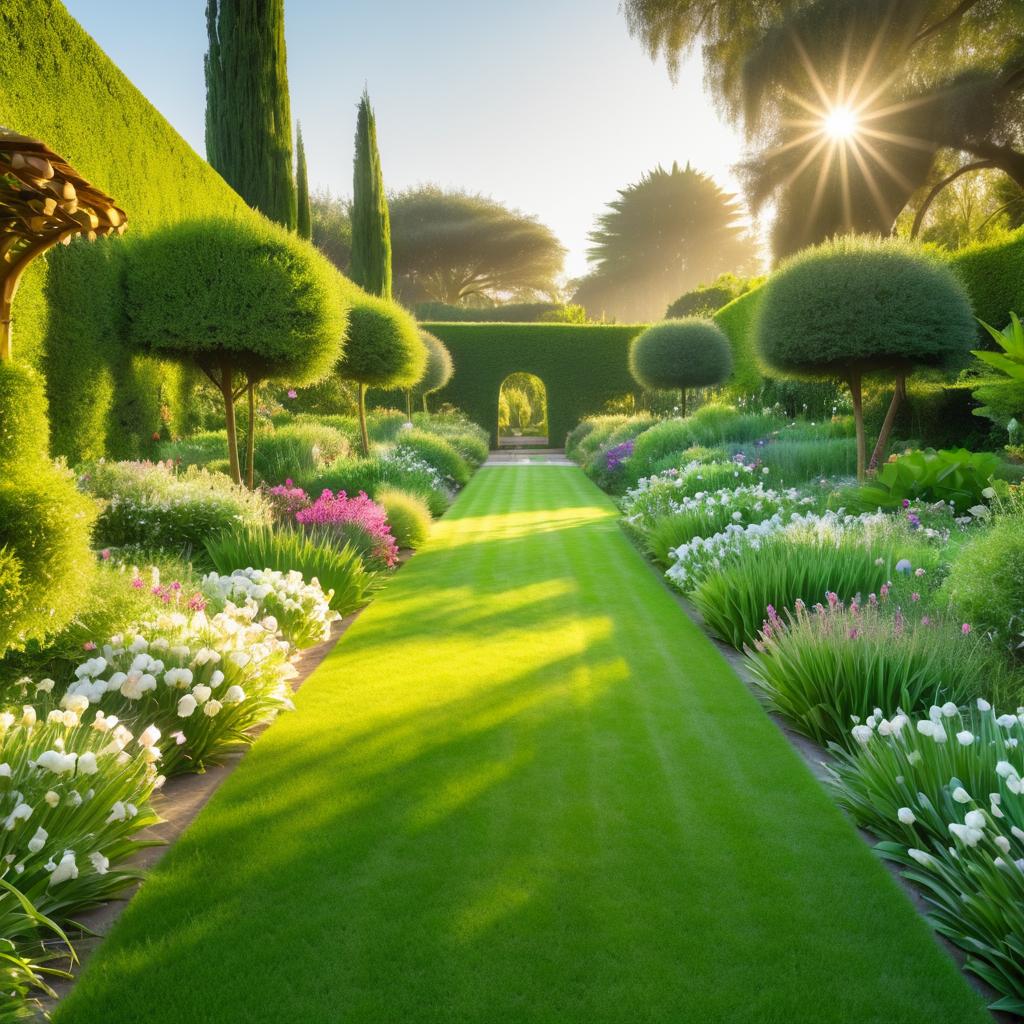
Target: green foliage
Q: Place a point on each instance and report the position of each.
(1010, 361)
(438, 453)
(737, 319)
(793, 462)
(935, 412)
(46, 566)
(370, 265)
(708, 299)
(439, 368)
(485, 354)
(297, 450)
(957, 477)
(408, 516)
(151, 505)
(689, 353)
(303, 212)
(825, 670)
(24, 431)
(985, 585)
(315, 554)
(468, 439)
(353, 475)
(332, 228)
(383, 349)
(860, 305)
(248, 112)
(993, 273)
(453, 246)
(505, 313)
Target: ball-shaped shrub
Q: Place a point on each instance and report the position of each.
(985, 585)
(24, 429)
(383, 348)
(45, 530)
(439, 365)
(688, 353)
(858, 305)
(437, 452)
(408, 515)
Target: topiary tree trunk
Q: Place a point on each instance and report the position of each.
(364, 436)
(898, 394)
(855, 381)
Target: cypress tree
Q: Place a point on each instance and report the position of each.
(248, 113)
(371, 228)
(303, 213)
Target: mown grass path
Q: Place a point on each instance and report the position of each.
(523, 788)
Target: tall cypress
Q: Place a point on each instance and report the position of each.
(303, 214)
(371, 227)
(248, 113)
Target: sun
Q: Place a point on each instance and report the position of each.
(840, 123)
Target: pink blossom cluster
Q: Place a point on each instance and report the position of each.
(287, 500)
(331, 510)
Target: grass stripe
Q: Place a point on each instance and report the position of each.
(526, 788)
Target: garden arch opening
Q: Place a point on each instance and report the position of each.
(522, 411)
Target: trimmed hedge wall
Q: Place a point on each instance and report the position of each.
(582, 367)
(56, 84)
(737, 320)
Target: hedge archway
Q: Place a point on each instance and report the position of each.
(582, 367)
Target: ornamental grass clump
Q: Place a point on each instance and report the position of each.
(408, 516)
(821, 667)
(944, 793)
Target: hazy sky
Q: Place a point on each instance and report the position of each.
(547, 105)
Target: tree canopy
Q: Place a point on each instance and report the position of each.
(664, 235)
(370, 266)
(453, 246)
(919, 77)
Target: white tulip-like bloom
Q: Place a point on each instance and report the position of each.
(201, 693)
(212, 708)
(975, 819)
(119, 812)
(87, 763)
(52, 798)
(906, 816)
(180, 678)
(28, 716)
(38, 841)
(21, 812)
(1018, 833)
(66, 870)
(924, 859)
(57, 762)
(186, 706)
(965, 738)
(1005, 769)
(1003, 843)
(1007, 721)
(983, 705)
(961, 796)
(44, 686)
(862, 733)
(217, 678)
(5, 771)
(949, 709)
(234, 695)
(926, 727)
(967, 835)
(75, 702)
(101, 865)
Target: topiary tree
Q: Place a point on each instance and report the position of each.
(383, 350)
(371, 228)
(439, 367)
(859, 306)
(243, 300)
(688, 353)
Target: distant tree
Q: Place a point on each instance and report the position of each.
(454, 247)
(303, 213)
(706, 299)
(662, 236)
(248, 113)
(332, 228)
(922, 76)
(370, 265)
(683, 354)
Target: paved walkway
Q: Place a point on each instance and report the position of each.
(523, 788)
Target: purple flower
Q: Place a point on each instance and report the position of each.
(614, 457)
(903, 565)
(292, 393)
(906, 503)
(965, 628)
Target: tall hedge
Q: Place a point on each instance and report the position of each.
(581, 365)
(737, 320)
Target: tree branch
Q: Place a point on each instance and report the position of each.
(958, 12)
(939, 186)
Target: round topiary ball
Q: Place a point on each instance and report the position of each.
(860, 304)
(688, 353)
(24, 430)
(383, 348)
(439, 365)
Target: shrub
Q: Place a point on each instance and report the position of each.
(439, 368)
(335, 513)
(298, 449)
(202, 449)
(657, 496)
(24, 433)
(399, 468)
(857, 306)
(242, 299)
(45, 528)
(824, 668)
(384, 425)
(986, 580)
(338, 569)
(681, 354)
(792, 463)
(944, 795)
(408, 516)
(959, 478)
(438, 453)
(150, 504)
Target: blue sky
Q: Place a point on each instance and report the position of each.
(547, 105)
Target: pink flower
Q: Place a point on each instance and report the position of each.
(854, 633)
(196, 602)
(915, 596)
(89, 645)
(925, 621)
(965, 628)
(292, 393)
(105, 554)
(335, 510)
(138, 583)
(919, 572)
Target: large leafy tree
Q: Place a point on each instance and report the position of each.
(248, 112)
(664, 235)
(370, 266)
(921, 78)
(457, 247)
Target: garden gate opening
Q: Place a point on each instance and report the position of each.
(522, 412)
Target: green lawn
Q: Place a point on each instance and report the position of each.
(523, 788)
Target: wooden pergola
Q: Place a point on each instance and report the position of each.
(43, 201)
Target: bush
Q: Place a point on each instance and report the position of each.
(45, 528)
(408, 516)
(958, 478)
(358, 520)
(24, 433)
(439, 368)
(151, 505)
(681, 354)
(438, 453)
(738, 320)
(337, 568)
(401, 469)
(824, 669)
(297, 450)
(661, 495)
(384, 425)
(985, 585)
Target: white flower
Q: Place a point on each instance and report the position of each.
(38, 841)
(906, 816)
(186, 705)
(28, 716)
(1005, 769)
(178, 677)
(967, 835)
(44, 686)
(66, 870)
(87, 763)
(5, 771)
(1018, 833)
(975, 819)
(234, 695)
(924, 859)
(914, 756)
(1003, 843)
(201, 693)
(926, 727)
(1007, 721)
(22, 812)
(217, 678)
(56, 762)
(149, 736)
(100, 863)
(949, 709)
(961, 796)
(983, 705)
(965, 738)
(118, 812)
(212, 708)
(75, 702)
(52, 798)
